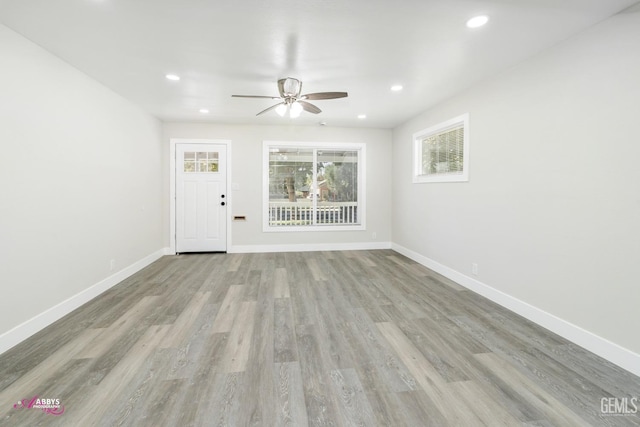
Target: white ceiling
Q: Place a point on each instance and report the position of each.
(225, 47)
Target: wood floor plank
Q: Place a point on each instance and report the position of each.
(228, 309)
(484, 406)
(384, 404)
(178, 332)
(252, 286)
(355, 407)
(259, 391)
(285, 348)
(161, 404)
(199, 389)
(315, 270)
(218, 286)
(321, 403)
(291, 410)
(281, 288)
(301, 296)
(236, 354)
(417, 409)
(222, 406)
(235, 260)
(186, 357)
(364, 258)
(330, 325)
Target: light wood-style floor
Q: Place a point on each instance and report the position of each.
(361, 338)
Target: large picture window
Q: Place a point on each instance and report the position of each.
(313, 186)
(441, 152)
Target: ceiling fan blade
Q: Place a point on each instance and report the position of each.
(255, 96)
(309, 107)
(325, 95)
(270, 108)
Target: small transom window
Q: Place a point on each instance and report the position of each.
(201, 161)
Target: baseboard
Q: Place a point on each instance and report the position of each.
(26, 329)
(359, 246)
(604, 348)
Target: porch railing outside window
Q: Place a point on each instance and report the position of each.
(313, 186)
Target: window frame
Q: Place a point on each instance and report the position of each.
(361, 191)
(419, 137)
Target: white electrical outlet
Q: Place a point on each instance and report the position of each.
(474, 268)
(374, 235)
(112, 264)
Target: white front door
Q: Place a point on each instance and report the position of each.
(201, 198)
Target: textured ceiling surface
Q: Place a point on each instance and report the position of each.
(363, 47)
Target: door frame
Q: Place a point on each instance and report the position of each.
(172, 186)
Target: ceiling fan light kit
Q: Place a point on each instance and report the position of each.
(281, 109)
(292, 101)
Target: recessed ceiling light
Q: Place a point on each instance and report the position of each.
(477, 21)
(396, 88)
(172, 77)
(204, 111)
(362, 116)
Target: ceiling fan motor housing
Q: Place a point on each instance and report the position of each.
(290, 87)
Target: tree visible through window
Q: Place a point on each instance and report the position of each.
(313, 185)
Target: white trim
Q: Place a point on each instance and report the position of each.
(26, 329)
(418, 137)
(362, 191)
(172, 186)
(310, 247)
(613, 352)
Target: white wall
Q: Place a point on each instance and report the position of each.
(80, 179)
(247, 169)
(551, 213)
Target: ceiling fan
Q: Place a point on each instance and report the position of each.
(292, 101)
